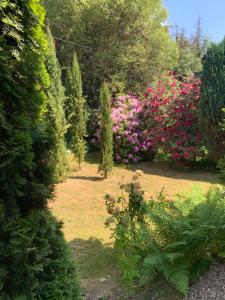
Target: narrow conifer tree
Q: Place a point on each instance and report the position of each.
(212, 99)
(106, 138)
(76, 111)
(56, 114)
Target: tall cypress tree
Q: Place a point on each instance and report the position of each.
(56, 114)
(212, 98)
(106, 138)
(35, 262)
(76, 111)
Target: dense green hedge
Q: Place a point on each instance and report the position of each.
(35, 262)
(212, 99)
(26, 140)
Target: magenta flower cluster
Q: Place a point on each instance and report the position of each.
(132, 142)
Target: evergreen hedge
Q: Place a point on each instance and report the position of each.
(26, 140)
(35, 262)
(213, 100)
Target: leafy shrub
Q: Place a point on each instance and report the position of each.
(166, 122)
(171, 116)
(177, 239)
(132, 141)
(35, 260)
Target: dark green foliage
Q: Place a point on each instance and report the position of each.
(178, 239)
(55, 115)
(221, 168)
(35, 260)
(106, 137)
(221, 162)
(212, 99)
(108, 37)
(76, 111)
(25, 138)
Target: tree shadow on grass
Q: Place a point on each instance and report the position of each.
(88, 178)
(200, 172)
(94, 258)
(96, 261)
(167, 169)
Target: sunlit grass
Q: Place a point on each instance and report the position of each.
(79, 203)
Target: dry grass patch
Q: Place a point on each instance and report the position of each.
(79, 203)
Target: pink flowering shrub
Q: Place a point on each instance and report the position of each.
(171, 114)
(167, 119)
(132, 141)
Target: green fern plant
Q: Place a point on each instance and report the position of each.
(177, 239)
(185, 237)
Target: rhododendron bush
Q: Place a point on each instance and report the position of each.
(166, 119)
(132, 142)
(171, 114)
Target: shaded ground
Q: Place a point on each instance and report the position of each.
(79, 203)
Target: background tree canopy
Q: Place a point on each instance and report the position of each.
(120, 41)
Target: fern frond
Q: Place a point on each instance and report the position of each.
(177, 275)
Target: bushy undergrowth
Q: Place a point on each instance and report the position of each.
(175, 238)
(35, 262)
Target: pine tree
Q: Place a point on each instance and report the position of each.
(106, 139)
(76, 111)
(56, 114)
(213, 100)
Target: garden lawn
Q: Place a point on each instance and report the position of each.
(79, 203)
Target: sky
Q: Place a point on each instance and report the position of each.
(185, 13)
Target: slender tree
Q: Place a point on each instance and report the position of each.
(76, 111)
(213, 100)
(56, 114)
(106, 139)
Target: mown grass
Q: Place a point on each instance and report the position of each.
(79, 203)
